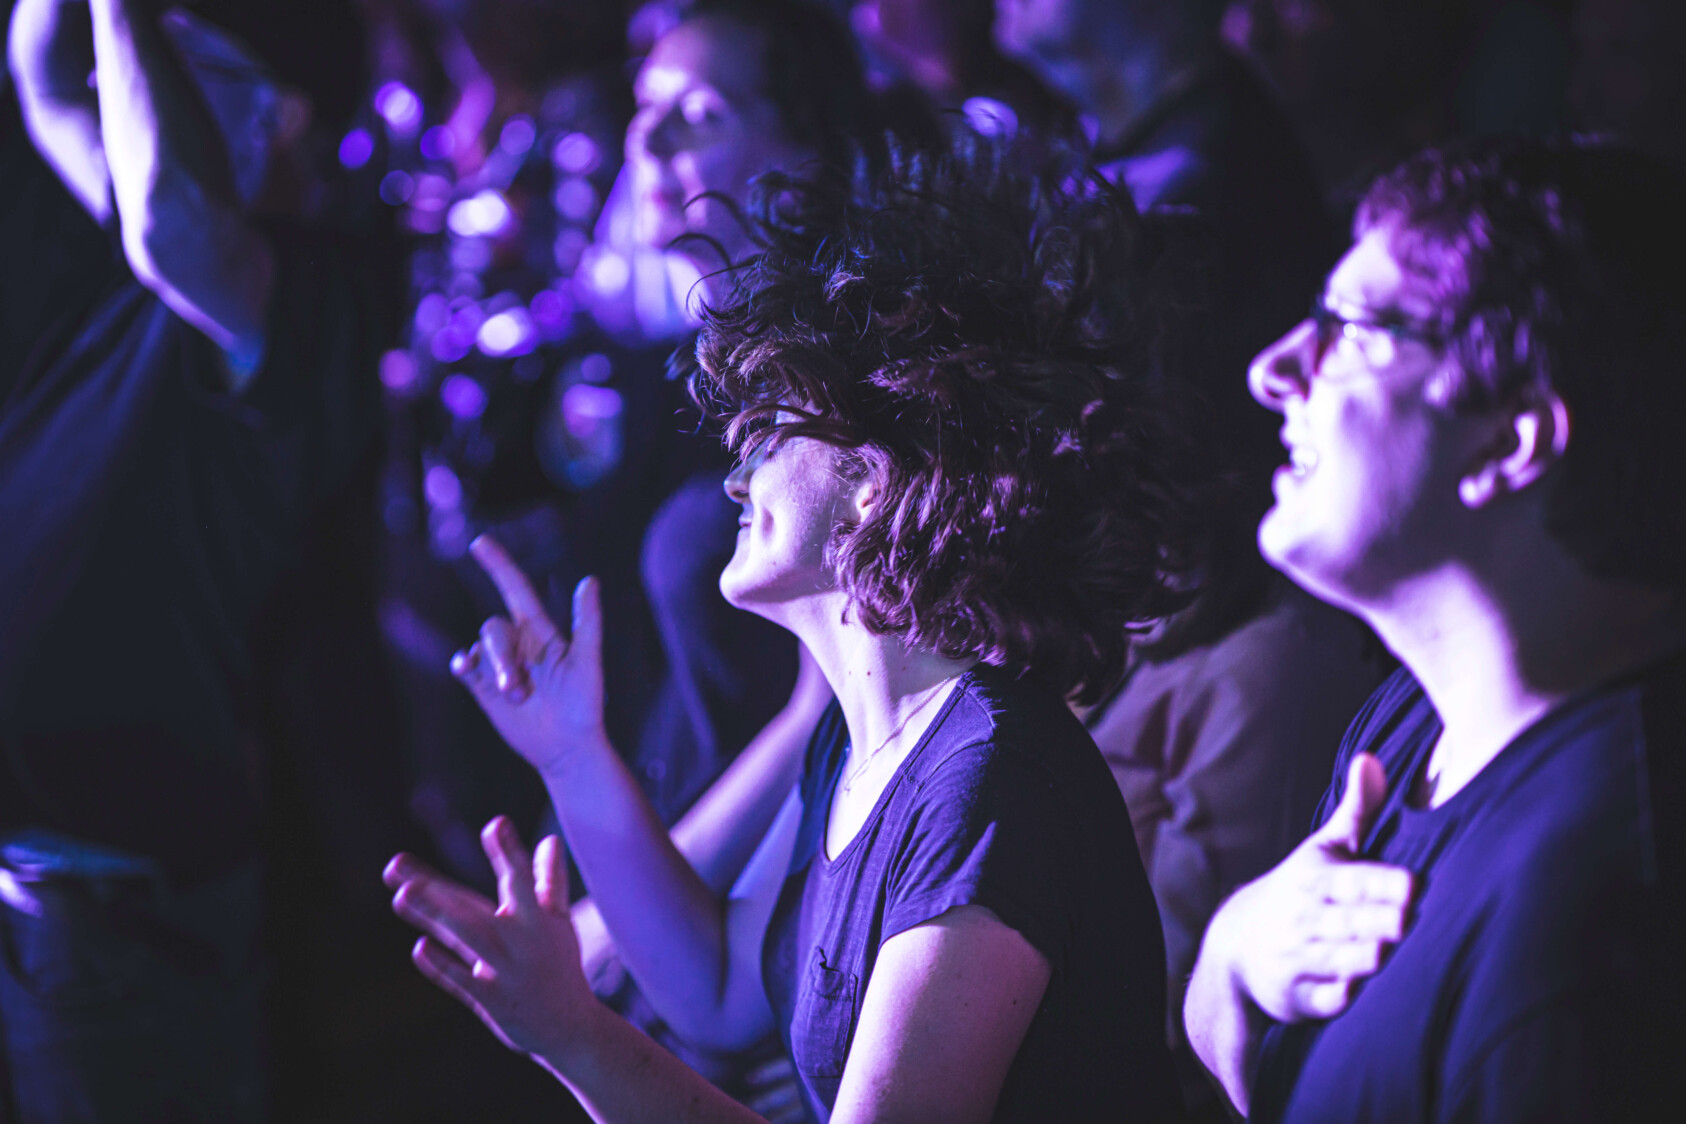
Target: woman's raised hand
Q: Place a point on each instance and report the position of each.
(515, 963)
(542, 690)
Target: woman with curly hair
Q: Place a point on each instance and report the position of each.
(963, 489)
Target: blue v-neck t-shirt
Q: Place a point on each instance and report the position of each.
(1004, 803)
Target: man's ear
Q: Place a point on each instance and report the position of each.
(1533, 436)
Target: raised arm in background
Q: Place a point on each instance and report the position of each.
(51, 54)
(145, 142)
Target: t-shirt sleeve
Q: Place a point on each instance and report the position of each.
(989, 829)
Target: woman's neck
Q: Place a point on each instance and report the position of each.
(885, 687)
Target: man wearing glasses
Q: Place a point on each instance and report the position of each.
(1482, 417)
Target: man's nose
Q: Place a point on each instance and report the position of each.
(1285, 368)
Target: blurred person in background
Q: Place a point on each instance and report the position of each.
(1364, 81)
(194, 396)
(943, 54)
(1630, 73)
(494, 131)
(1222, 735)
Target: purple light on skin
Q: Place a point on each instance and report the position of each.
(576, 154)
(396, 188)
(463, 397)
(585, 407)
(518, 135)
(442, 488)
(438, 143)
(400, 108)
(398, 371)
(356, 148)
(509, 332)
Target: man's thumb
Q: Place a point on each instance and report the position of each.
(1366, 790)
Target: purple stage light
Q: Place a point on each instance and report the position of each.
(397, 187)
(463, 397)
(356, 148)
(576, 154)
(510, 332)
(399, 106)
(438, 143)
(517, 136)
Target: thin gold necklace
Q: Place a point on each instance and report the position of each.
(859, 770)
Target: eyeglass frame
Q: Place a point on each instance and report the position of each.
(1329, 325)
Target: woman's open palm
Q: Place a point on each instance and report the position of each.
(541, 689)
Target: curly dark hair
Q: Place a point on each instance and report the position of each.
(1558, 264)
(986, 346)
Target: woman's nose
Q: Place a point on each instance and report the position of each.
(1285, 368)
(655, 135)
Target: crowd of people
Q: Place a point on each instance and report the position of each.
(859, 484)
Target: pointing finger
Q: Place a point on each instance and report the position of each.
(525, 606)
(511, 863)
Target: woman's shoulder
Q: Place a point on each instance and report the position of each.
(1007, 742)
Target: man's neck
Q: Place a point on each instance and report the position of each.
(1495, 654)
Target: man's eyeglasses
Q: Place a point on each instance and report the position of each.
(1375, 338)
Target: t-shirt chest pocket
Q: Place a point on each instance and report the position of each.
(822, 1024)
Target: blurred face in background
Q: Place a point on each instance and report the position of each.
(1050, 37)
(705, 123)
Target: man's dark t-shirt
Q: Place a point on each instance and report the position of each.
(1004, 803)
(1543, 973)
(148, 511)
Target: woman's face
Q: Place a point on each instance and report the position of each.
(795, 494)
(704, 124)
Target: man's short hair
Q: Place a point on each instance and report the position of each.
(1562, 265)
(983, 346)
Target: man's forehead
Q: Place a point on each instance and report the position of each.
(1371, 276)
